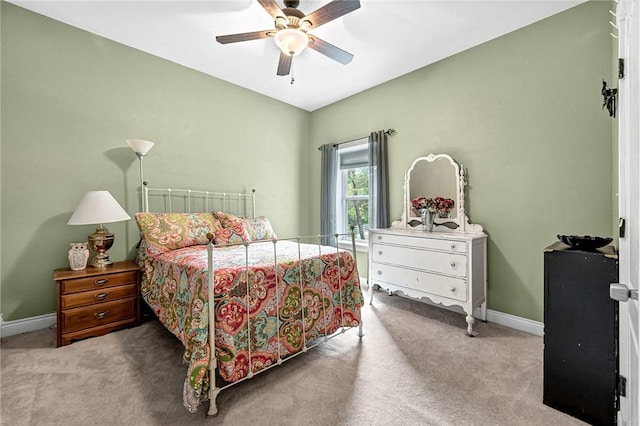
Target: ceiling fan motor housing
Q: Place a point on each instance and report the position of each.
(291, 3)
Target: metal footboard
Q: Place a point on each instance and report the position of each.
(214, 389)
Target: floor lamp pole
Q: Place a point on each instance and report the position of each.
(142, 203)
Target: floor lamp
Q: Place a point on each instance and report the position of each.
(141, 148)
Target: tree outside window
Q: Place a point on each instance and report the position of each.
(356, 200)
(353, 189)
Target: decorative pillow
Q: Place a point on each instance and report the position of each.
(259, 228)
(234, 230)
(170, 231)
(227, 220)
(231, 235)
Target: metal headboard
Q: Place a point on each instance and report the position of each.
(170, 200)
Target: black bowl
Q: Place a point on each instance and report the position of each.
(584, 242)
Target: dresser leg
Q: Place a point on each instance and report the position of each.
(470, 321)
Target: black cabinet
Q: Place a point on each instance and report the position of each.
(581, 333)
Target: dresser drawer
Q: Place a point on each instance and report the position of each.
(452, 288)
(457, 246)
(98, 282)
(441, 262)
(97, 296)
(93, 315)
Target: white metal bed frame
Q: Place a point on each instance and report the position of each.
(211, 200)
(225, 200)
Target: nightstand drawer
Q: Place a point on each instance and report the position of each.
(90, 316)
(98, 282)
(107, 294)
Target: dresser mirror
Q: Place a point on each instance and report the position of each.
(433, 176)
(433, 179)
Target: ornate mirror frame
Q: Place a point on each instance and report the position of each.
(460, 223)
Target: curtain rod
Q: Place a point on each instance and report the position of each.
(389, 132)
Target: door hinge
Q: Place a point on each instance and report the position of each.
(620, 68)
(622, 386)
(622, 223)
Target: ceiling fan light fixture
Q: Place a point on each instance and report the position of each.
(291, 41)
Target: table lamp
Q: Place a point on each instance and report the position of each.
(99, 207)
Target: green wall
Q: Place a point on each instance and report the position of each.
(70, 99)
(523, 114)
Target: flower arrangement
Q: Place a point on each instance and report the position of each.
(423, 203)
(443, 206)
(438, 204)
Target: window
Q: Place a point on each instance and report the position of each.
(353, 189)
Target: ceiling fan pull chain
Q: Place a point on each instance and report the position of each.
(292, 77)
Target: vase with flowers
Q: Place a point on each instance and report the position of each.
(443, 206)
(427, 209)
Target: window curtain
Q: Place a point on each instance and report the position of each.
(378, 181)
(328, 185)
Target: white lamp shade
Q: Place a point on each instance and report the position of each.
(291, 41)
(98, 207)
(140, 146)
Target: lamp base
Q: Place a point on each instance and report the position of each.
(101, 241)
(101, 261)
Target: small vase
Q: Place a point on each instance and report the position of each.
(426, 217)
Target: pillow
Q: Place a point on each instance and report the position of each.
(227, 220)
(231, 235)
(234, 230)
(170, 231)
(259, 228)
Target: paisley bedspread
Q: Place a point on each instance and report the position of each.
(262, 312)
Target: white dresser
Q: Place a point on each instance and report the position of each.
(444, 267)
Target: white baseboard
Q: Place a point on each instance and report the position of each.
(11, 328)
(517, 323)
(496, 317)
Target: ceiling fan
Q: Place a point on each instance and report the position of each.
(292, 28)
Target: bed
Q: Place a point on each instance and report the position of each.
(273, 298)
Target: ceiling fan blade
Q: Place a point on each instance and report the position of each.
(331, 11)
(284, 64)
(329, 50)
(272, 7)
(234, 38)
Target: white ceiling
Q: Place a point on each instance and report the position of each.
(388, 38)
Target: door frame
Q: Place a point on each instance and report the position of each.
(628, 23)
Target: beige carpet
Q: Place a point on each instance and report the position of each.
(415, 366)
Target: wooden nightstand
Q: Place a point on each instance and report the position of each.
(96, 301)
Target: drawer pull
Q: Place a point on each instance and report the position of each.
(452, 288)
(379, 237)
(101, 315)
(453, 246)
(101, 282)
(453, 264)
(101, 296)
(380, 252)
(379, 272)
